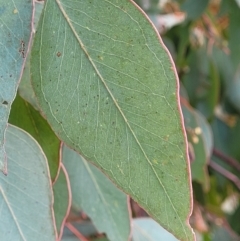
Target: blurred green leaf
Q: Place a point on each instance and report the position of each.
(234, 32)
(149, 6)
(196, 79)
(226, 136)
(202, 82)
(234, 220)
(209, 101)
(220, 233)
(234, 91)
(193, 8)
(200, 138)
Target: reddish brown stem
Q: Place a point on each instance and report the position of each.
(229, 160)
(225, 173)
(75, 232)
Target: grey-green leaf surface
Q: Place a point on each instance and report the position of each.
(146, 229)
(86, 228)
(26, 202)
(108, 88)
(96, 195)
(15, 32)
(25, 88)
(62, 200)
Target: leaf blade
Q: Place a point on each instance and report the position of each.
(94, 194)
(27, 186)
(27, 118)
(112, 104)
(15, 34)
(62, 200)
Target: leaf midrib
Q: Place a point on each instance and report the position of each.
(116, 104)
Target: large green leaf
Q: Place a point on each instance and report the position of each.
(108, 88)
(96, 195)
(25, 193)
(26, 117)
(15, 31)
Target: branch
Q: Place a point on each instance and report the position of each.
(229, 160)
(225, 173)
(75, 231)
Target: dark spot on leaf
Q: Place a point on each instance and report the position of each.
(22, 48)
(59, 54)
(5, 102)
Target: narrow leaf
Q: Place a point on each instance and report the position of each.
(107, 86)
(201, 151)
(25, 88)
(25, 193)
(62, 200)
(97, 197)
(15, 31)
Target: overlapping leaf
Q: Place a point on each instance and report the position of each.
(62, 200)
(15, 31)
(108, 89)
(26, 117)
(201, 141)
(146, 229)
(25, 193)
(96, 195)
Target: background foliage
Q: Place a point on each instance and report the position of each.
(204, 42)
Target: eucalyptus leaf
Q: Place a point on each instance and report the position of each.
(62, 200)
(146, 229)
(25, 88)
(96, 195)
(15, 33)
(26, 198)
(26, 117)
(107, 86)
(202, 147)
